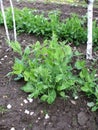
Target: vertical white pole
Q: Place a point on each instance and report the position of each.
(4, 18)
(14, 24)
(89, 26)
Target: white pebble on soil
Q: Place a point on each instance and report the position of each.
(25, 101)
(31, 113)
(30, 100)
(27, 112)
(21, 104)
(47, 116)
(9, 106)
(2, 59)
(5, 56)
(12, 128)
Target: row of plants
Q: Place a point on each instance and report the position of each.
(52, 69)
(72, 29)
(49, 69)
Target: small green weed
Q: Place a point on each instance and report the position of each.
(2, 109)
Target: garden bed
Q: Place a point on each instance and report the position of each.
(16, 111)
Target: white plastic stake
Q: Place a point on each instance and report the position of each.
(89, 26)
(14, 24)
(4, 18)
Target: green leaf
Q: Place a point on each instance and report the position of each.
(85, 89)
(44, 97)
(18, 66)
(95, 108)
(86, 75)
(28, 87)
(18, 77)
(51, 96)
(26, 75)
(63, 87)
(80, 64)
(62, 94)
(16, 47)
(81, 75)
(26, 51)
(59, 77)
(68, 50)
(77, 53)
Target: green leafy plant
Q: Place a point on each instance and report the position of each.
(46, 69)
(27, 20)
(74, 30)
(89, 83)
(2, 109)
(95, 32)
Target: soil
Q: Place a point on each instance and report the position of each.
(36, 115)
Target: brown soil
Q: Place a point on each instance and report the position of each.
(63, 115)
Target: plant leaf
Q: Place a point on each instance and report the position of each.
(16, 47)
(26, 51)
(80, 64)
(51, 96)
(18, 66)
(44, 97)
(68, 50)
(28, 87)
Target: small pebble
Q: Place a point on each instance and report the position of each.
(39, 118)
(73, 102)
(47, 116)
(96, 75)
(12, 128)
(5, 96)
(5, 56)
(9, 106)
(21, 104)
(36, 121)
(2, 59)
(30, 100)
(31, 113)
(41, 111)
(76, 97)
(20, 110)
(27, 112)
(25, 101)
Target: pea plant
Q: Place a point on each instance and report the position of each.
(27, 20)
(89, 83)
(48, 72)
(46, 69)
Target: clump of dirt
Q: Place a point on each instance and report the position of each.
(22, 114)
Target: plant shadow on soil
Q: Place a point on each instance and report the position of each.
(63, 115)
